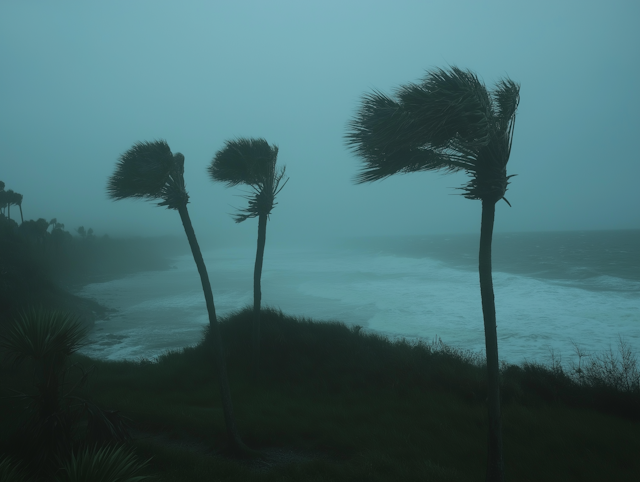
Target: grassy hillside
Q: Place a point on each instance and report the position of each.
(336, 404)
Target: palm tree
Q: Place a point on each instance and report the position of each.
(3, 197)
(451, 122)
(3, 201)
(17, 201)
(252, 162)
(150, 171)
(9, 199)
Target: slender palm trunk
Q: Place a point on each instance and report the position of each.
(21, 218)
(233, 435)
(257, 293)
(495, 466)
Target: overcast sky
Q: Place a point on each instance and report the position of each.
(80, 82)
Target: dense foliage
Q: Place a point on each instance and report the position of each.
(40, 261)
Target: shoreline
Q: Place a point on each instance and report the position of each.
(90, 309)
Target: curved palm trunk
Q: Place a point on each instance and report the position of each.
(257, 293)
(495, 466)
(233, 436)
(21, 218)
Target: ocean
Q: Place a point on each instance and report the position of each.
(553, 291)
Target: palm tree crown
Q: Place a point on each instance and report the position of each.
(150, 171)
(449, 121)
(251, 162)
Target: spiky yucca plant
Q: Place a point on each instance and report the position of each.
(252, 162)
(105, 464)
(150, 171)
(48, 338)
(450, 122)
(40, 334)
(52, 426)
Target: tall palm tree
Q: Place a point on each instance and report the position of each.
(252, 162)
(17, 201)
(149, 170)
(449, 122)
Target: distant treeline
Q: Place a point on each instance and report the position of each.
(40, 260)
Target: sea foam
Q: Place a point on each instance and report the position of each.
(401, 297)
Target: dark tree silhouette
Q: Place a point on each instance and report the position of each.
(43, 226)
(17, 200)
(3, 197)
(252, 162)
(449, 121)
(149, 170)
(9, 198)
(56, 225)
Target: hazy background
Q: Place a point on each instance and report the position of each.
(80, 83)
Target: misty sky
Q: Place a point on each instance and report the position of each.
(81, 82)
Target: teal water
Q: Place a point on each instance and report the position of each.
(553, 290)
(582, 257)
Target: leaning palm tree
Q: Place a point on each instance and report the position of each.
(252, 162)
(149, 170)
(449, 122)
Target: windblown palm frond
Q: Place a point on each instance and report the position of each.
(449, 121)
(251, 162)
(490, 179)
(448, 105)
(244, 161)
(506, 98)
(263, 199)
(384, 135)
(149, 170)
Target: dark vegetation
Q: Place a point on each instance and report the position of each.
(336, 403)
(60, 434)
(41, 262)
